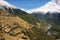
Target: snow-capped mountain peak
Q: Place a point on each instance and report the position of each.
(52, 6)
(6, 4)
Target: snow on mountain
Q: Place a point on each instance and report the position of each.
(6, 4)
(52, 6)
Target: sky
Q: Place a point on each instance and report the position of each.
(28, 4)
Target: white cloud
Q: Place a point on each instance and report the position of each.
(5, 3)
(51, 6)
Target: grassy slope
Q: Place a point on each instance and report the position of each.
(34, 33)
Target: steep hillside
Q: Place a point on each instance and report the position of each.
(16, 24)
(19, 25)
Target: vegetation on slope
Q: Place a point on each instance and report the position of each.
(36, 34)
(24, 15)
(22, 18)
